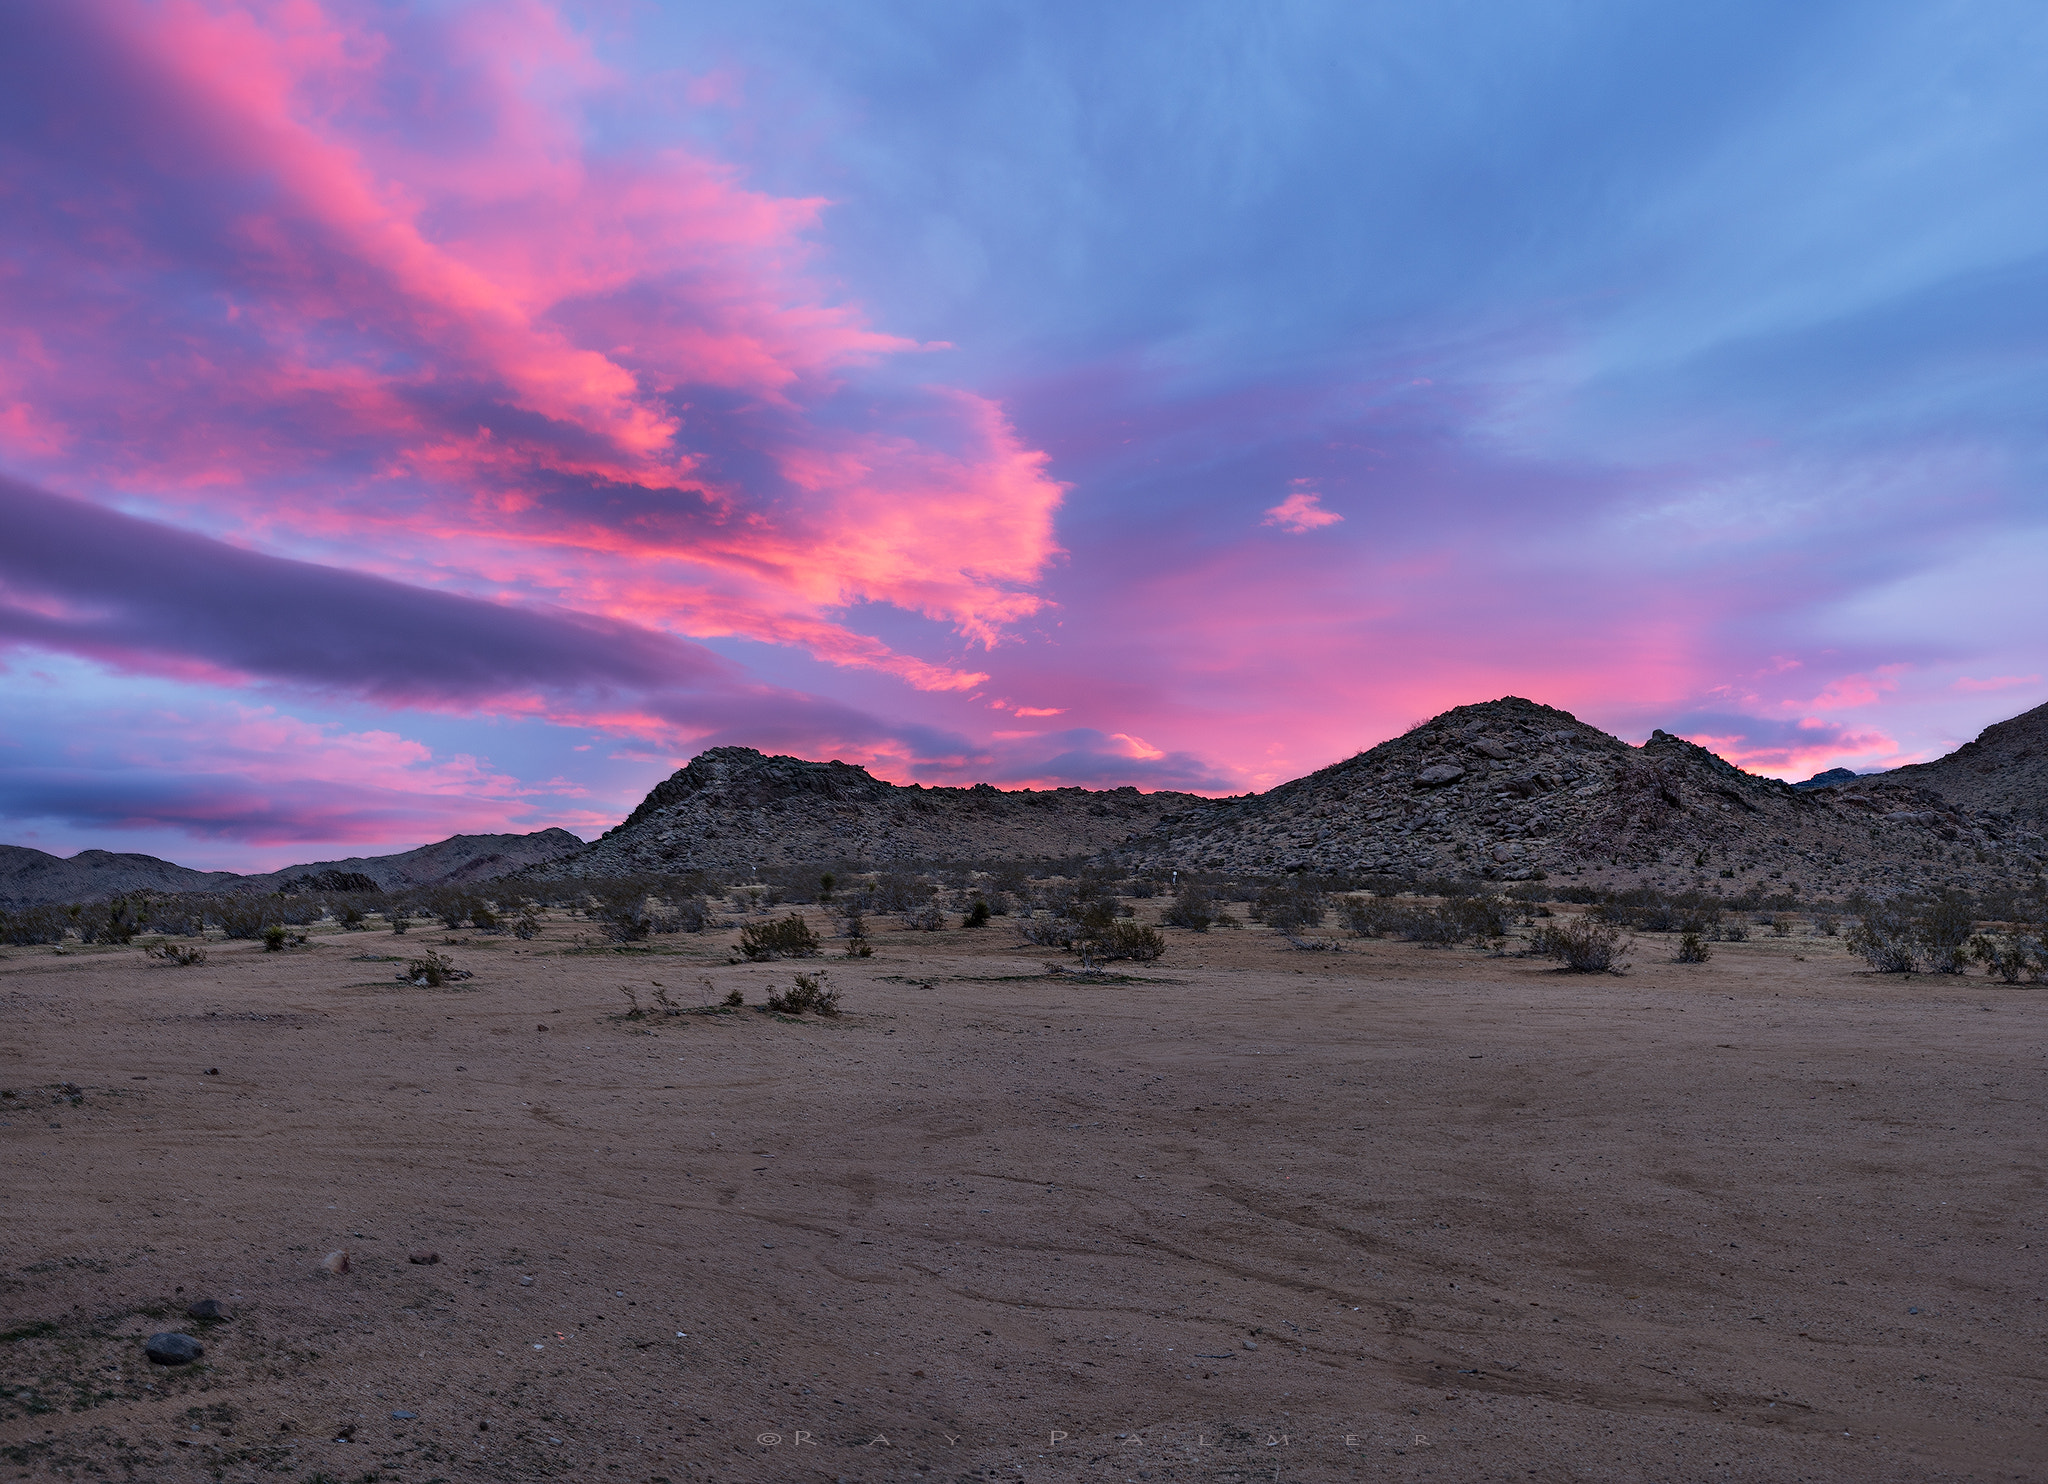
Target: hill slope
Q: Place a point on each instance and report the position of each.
(733, 808)
(1509, 788)
(31, 878)
(2003, 773)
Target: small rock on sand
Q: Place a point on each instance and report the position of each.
(335, 1262)
(173, 1349)
(206, 1309)
(423, 1256)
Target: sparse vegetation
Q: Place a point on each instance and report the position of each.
(1123, 940)
(1582, 944)
(811, 994)
(431, 970)
(788, 937)
(181, 955)
(1192, 908)
(1692, 949)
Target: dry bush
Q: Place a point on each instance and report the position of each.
(928, 917)
(1582, 945)
(1193, 908)
(432, 970)
(1692, 949)
(811, 994)
(788, 937)
(1048, 932)
(181, 955)
(1124, 940)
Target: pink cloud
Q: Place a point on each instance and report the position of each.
(1996, 682)
(448, 337)
(1300, 512)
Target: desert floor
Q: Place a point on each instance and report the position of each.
(1250, 1214)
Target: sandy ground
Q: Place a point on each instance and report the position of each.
(1392, 1213)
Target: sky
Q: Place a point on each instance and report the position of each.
(440, 417)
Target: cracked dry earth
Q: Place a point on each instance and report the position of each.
(1390, 1213)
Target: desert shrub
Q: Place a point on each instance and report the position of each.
(928, 917)
(1584, 945)
(108, 922)
(681, 914)
(1946, 928)
(1736, 932)
(526, 926)
(431, 970)
(810, 994)
(1479, 916)
(1887, 937)
(172, 920)
(1290, 907)
(1692, 949)
(350, 916)
(1142, 890)
(277, 937)
(734, 999)
(894, 892)
(1193, 908)
(1048, 932)
(1827, 926)
(977, 915)
(245, 917)
(788, 937)
(2020, 955)
(1781, 926)
(181, 955)
(400, 919)
(1372, 917)
(1125, 940)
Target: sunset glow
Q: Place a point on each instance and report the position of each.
(429, 418)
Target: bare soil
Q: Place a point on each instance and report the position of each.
(1249, 1213)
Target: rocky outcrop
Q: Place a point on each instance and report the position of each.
(734, 809)
(1509, 790)
(2003, 775)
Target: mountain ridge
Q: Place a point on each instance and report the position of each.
(1505, 790)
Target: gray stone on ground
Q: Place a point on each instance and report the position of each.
(206, 1309)
(173, 1349)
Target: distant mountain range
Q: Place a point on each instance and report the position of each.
(32, 877)
(1507, 790)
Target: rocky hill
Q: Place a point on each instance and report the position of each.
(734, 809)
(2002, 775)
(455, 860)
(1510, 789)
(31, 878)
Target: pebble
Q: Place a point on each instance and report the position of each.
(405, 1416)
(526, 1282)
(335, 1262)
(206, 1309)
(424, 1256)
(173, 1349)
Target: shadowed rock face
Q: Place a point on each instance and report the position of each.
(1506, 791)
(733, 808)
(1509, 789)
(2003, 774)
